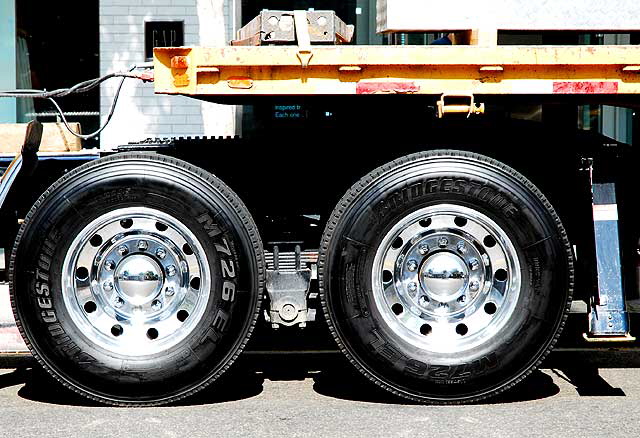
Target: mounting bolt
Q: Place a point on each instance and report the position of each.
(412, 265)
(474, 264)
(474, 286)
(156, 305)
(171, 270)
(423, 249)
(462, 248)
(107, 285)
(161, 253)
(170, 291)
(109, 265)
(443, 241)
(143, 245)
(123, 250)
(118, 302)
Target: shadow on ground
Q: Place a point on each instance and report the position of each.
(333, 377)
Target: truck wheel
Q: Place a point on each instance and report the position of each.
(136, 279)
(445, 276)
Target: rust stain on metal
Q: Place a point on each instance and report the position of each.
(585, 87)
(387, 88)
(180, 62)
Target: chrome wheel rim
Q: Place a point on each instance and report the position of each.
(446, 279)
(136, 281)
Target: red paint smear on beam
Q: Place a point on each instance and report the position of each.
(386, 88)
(585, 87)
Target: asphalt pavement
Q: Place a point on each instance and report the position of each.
(320, 395)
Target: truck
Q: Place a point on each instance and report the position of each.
(389, 196)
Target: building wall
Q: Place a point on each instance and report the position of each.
(8, 57)
(140, 113)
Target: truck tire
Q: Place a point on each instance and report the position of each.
(445, 276)
(136, 279)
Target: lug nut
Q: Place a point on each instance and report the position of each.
(412, 265)
(107, 286)
(161, 253)
(423, 249)
(462, 248)
(412, 288)
(424, 301)
(118, 302)
(171, 270)
(156, 305)
(462, 299)
(170, 291)
(123, 250)
(443, 241)
(474, 264)
(474, 286)
(109, 265)
(143, 245)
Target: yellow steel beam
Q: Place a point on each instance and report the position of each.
(344, 70)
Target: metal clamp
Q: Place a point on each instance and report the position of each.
(303, 37)
(470, 108)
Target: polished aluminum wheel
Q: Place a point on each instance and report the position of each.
(136, 281)
(446, 278)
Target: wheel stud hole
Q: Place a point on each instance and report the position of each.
(397, 243)
(425, 329)
(96, 240)
(397, 308)
(490, 308)
(489, 242)
(500, 275)
(187, 249)
(182, 315)
(195, 283)
(126, 223)
(460, 221)
(117, 330)
(161, 227)
(461, 329)
(82, 273)
(425, 222)
(90, 307)
(387, 276)
(152, 333)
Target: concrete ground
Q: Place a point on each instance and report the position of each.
(321, 395)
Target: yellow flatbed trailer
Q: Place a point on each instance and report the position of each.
(221, 72)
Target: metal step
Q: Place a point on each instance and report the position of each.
(10, 339)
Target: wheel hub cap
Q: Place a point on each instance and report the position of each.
(444, 276)
(138, 279)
